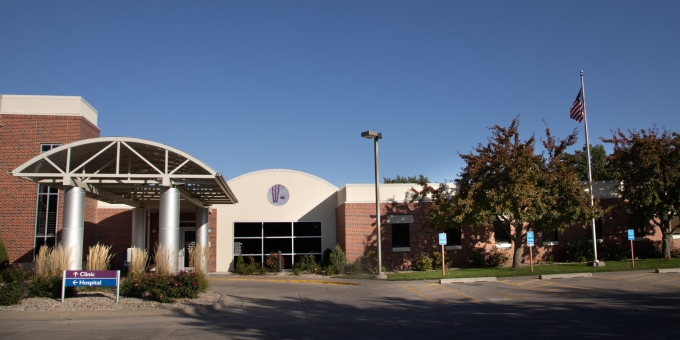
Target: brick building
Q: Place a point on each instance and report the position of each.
(291, 211)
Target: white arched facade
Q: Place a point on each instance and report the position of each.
(276, 196)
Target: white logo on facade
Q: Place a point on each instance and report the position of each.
(278, 195)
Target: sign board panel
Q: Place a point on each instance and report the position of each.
(631, 234)
(530, 238)
(91, 282)
(90, 278)
(442, 239)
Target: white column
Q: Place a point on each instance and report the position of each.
(202, 215)
(73, 226)
(168, 234)
(138, 228)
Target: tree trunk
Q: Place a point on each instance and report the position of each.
(517, 247)
(667, 242)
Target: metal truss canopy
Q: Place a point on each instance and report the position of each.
(124, 170)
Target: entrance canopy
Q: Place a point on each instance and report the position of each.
(125, 170)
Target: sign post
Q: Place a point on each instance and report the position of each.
(631, 237)
(442, 242)
(90, 278)
(530, 243)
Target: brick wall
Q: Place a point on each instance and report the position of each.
(357, 236)
(20, 140)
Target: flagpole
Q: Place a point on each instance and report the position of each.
(590, 171)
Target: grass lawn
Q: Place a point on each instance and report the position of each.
(611, 266)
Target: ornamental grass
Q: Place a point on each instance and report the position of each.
(99, 257)
(138, 262)
(52, 261)
(163, 259)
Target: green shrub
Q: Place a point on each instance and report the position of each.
(437, 255)
(328, 271)
(356, 267)
(579, 251)
(11, 293)
(296, 271)
(337, 260)
(263, 271)
(48, 286)
(423, 263)
(272, 262)
(15, 274)
(326, 259)
(134, 285)
(4, 256)
(481, 258)
(308, 263)
(162, 288)
(240, 266)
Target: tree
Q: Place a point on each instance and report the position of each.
(409, 179)
(648, 163)
(600, 166)
(507, 181)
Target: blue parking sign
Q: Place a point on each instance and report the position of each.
(442, 239)
(631, 234)
(530, 238)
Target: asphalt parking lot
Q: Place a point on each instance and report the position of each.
(639, 304)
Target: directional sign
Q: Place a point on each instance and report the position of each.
(631, 234)
(90, 278)
(530, 238)
(442, 239)
(91, 282)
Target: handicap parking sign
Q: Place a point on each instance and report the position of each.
(631, 234)
(530, 238)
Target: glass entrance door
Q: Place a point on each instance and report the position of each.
(188, 241)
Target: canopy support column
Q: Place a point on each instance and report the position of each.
(73, 226)
(138, 228)
(168, 235)
(202, 235)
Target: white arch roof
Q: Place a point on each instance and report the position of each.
(127, 170)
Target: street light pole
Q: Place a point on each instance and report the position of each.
(375, 136)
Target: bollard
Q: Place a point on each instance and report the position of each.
(280, 262)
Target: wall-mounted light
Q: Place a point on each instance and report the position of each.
(153, 231)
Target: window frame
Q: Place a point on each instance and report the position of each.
(52, 197)
(454, 233)
(503, 243)
(402, 247)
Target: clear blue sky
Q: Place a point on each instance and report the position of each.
(251, 85)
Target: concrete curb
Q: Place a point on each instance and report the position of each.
(564, 276)
(468, 279)
(667, 270)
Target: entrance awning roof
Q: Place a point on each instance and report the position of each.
(126, 170)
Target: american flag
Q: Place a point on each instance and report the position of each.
(576, 113)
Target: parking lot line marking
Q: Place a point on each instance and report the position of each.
(521, 283)
(622, 276)
(673, 279)
(459, 293)
(545, 284)
(419, 293)
(642, 278)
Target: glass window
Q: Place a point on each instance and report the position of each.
(273, 229)
(46, 214)
(307, 228)
(550, 236)
(675, 223)
(454, 237)
(400, 235)
(501, 232)
(248, 229)
(293, 239)
(640, 230)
